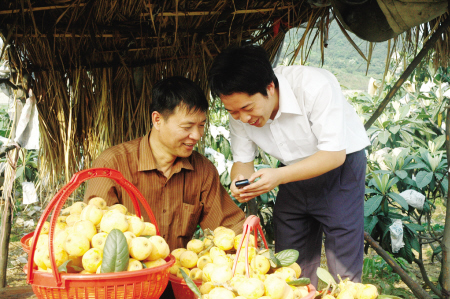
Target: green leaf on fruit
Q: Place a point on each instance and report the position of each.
(300, 282)
(115, 253)
(191, 284)
(325, 276)
(287, 257)
(63, 267)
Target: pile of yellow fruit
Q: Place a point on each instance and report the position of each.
(81, 232)
(350, 290)
(211, 261)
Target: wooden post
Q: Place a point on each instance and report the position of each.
(445, 245)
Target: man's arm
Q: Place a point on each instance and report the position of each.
(313, 166)
(240, 171)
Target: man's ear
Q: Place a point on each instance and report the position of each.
(271, 88)
(156, 120)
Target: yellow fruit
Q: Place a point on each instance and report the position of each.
(207, 242)
(149, 229)
(237, 279)
(45, 227)
(186, 270)
(203, 261)
(174, 269)
(160, 248)
(98, 202)
(225, 239)
(118, 207)
(297, 269)
(60, 238)
(76, 244)
(215, 251)
(346, 294)
(177, 252)
(221, 274)
(219, 229)
(275, 287)
(240, 268)
(286, 273)
(60, 257)
(77, 207)
(61, 219)
(92, 213)
(40, 255)
(98, 240)
(195, 245)
(113, 219)
(85, 227)
(206, 287)
(260, 263)
(251, 254)
(135, 225)
(303, 291)
(368, 291)
(130, 236)
(92, 259)
(99, 270)
(134, 265)
(207, 271)
(59, 226)
(196, 274)
(221, 293)
(71, 219)
(140, 248)
(237, 239)
(86, 272)
(156, 263)
(251, 288)
(255, 273)
(188, 259)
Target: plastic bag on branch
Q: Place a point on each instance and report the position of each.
(413, 198)
(396, 230)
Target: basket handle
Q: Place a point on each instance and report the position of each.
(60, 198)
(250, 224)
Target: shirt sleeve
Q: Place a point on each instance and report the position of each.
(326, 111)
(243, 148)
(219, 208)
(103, 187)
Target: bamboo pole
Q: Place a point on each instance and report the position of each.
(445, 245)
(51, 7)
(207, 13)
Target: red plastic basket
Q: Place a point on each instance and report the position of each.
(25, 242)
(146, 283)
(180, 288)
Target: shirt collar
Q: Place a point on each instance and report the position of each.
(148, 163)
(287, 101)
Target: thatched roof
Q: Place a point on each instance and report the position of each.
(94, 62)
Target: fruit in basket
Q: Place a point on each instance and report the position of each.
(237, 240)
(149, 229)
(76, 244)
(276, 287)
(196, 274)
(140, 248)
(221, 293)
(98, 240)
(160, 248)
(134, 265)
(251, 288)
(188, 259)
(71, 219)
(195, 245)
(224, 239)
(99, 202)
(92, 213)
(114, 219)
(174, 269)
(135, 225)
(260, 263)
(286, 273)
(156, 263)
(92, 259)
(221, 274)
(186, 270)
(86, 228)
(203, 261)
(368, 291)
(297, 269)
(177, 252)
(77, 207)
(118, 207)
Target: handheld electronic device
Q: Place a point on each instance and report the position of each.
(242, 183)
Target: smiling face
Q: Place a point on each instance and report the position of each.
(255, 109)
(179, 132)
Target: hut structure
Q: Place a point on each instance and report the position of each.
(92, 64)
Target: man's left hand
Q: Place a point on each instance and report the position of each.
(269, 178)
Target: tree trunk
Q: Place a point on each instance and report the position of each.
(445, 267)
(4, 240)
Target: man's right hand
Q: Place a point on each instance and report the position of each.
(236, 192)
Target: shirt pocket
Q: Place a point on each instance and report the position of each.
(304, 147)
(190, 215)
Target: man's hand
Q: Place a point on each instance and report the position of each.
(269, 178)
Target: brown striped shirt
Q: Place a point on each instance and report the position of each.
(191, 195)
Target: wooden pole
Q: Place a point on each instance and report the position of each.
(428, 45)
(445, 245)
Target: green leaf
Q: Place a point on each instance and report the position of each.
(63, 267)
(415, 227)
(384, 136)
(325, 276)
(399, 199)
(370, 191)
(369, 223)
(191, 284)
(394, 129)
(401, 174)
(115, 252)
(423, 178)
(300, 282)
(287, 257)
(273, 260)
(372, 204)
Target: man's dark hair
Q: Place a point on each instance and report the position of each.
(244, 69)
(169, 93)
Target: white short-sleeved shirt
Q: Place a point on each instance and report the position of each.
(313, 115)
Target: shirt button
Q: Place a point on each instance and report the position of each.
(164, 210)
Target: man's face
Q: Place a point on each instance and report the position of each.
(255, 110)
(180, 131)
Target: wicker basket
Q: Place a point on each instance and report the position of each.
(146, 283)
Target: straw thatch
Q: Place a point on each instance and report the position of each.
(94, 62)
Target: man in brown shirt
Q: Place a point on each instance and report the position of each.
(182, 187)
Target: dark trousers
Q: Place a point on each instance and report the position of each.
(168, 292)
(330, 204)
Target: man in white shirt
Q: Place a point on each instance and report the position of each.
(298, 115)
